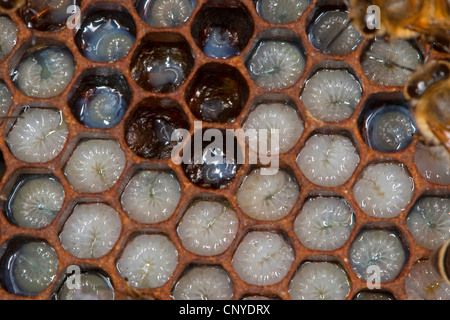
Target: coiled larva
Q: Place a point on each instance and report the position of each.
(92, 286)
(332, 95)
(319, 281)
(281, 11)
(380, 248)
(45, 72)
(424, 283)
(148, 261)
(95, 165)
(328, 160)
(324, 223)
(208, 228)
(267, 197)
(263, 258)
(5, 99)
(276, 64)
(38, 135)
(204, 283)
(165, 13)
(36, 201)
(433, 163)
(8, 36)
(91, 230)
(151, 196)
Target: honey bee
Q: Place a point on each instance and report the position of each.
(428, 89)
(404, 19)
(11, 5)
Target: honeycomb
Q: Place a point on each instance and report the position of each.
(189, 32)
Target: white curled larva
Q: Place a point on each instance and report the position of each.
(267, 197)
(204, 283)
(263, 258)
(320, 281)
(38, 135)
(429, 222)
(148, 261)
(425, 283)
(433, 162)
(8, 36)
(328, 160)
(377, 248)
(169, 13)
(91, 230)
(208, 228)
(384, 190)
(151, 196)
(281, 11)
(36, 202)
(275, 116)
(92, 286)
(5, 99)
(390, 63)
(45, 73)
(324, 223)
(95, 165)
(33, 267)
(276, 64)
(332, 95)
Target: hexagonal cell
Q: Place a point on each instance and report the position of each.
(429, 221)
(277, 59)
(100, 97)
(42, 70)
(390, 63)
(328, 160)
(324, 223)
(8, 36)
(34, 200)
(152, 125)
(148, 261)
(95, 165)
(281, 11)
(208, 227)
(378, 252)
(332, 92)
(273, 112)
(203, 282)
(48, 15)
(107, 33)
(331, 30)
(162, 62)
(320, 280)
(263, 258)
(433, 163)
(425, 283)
(163, 13)
(28, 265)
(5, 99)
(222, 28)
(151, 196)
(376, 295)
(384, 190)
(268, 197)
(386, 123)
(212, 164)
(91, 231)
(36, 133)
(217, 93)
(93, 284)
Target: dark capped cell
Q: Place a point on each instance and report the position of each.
(218, 94)
(389, 128)
(28, 266)
(222, 32)
(150, 128)
(215, 164)
(100, 101)
(162, 66)
(165, 13)
(106, 36)
(48, 15)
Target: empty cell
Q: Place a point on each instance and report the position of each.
(208, 228)
(263, 258)
(384, 190)
(91, 231)
(51, 15)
